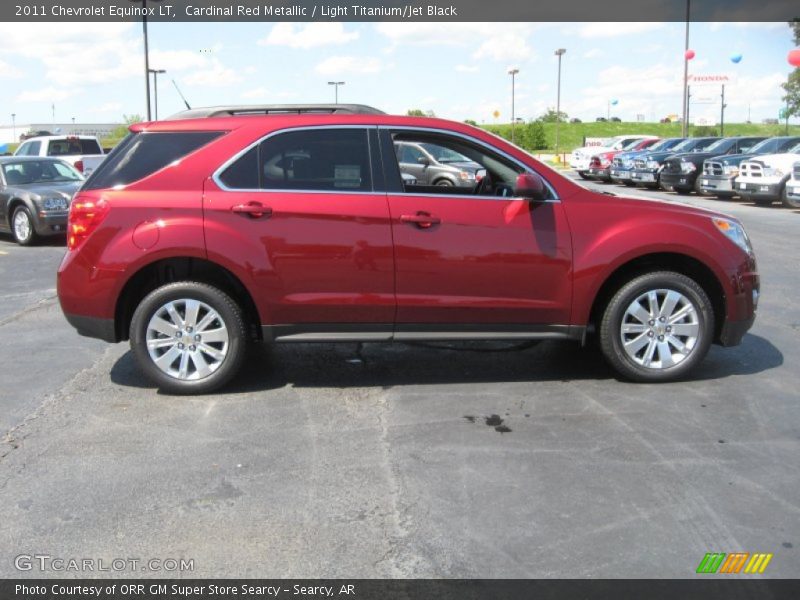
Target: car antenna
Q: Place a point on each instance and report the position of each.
(181, 95)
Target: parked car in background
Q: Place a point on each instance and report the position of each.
(792, 197)
(35, 195)
(600, 164)
(82, 151)
(581, 157)
(647, 168)
(187, 243)
(623, 163)
(719, 173)
(431, 164)
(763, 179)
(682, 171)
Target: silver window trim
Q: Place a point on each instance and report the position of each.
(215, 177)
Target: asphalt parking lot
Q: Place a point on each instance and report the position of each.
(472, 460)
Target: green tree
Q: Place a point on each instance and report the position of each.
(792, 85)
(418, 112)
(127, 120)
(531, 136)
(551, 116)
(471, 122)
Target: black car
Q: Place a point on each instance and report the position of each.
(720, 172)
(35, 194)
(647, 168)
(431, 164)
(681, 171)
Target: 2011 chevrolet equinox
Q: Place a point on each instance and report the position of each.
(218, 226)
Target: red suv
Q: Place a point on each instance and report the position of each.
(293, 224)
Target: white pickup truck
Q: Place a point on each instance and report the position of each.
(81, 151)
(792, 196)
(581, 157)
(764, 179)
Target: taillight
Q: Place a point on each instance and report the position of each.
(84, 217)
(79, 165)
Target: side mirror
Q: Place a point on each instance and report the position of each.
(530, 186)
(424, 160)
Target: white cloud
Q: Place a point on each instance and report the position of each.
(513, 47)
(214, 75)
(607, 30)
(7, 70)
(177, 60)
(47, 94)
(307, 36)
(108, 107)
(339, 65)
(467, 68)
(593, 53)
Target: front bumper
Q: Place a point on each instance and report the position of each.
(793, 189)
(716, 184)
(733, 331)
(681, 181)
(645, 176)
(600, 173)
(771, 190)
(50, 222)
(620, 174)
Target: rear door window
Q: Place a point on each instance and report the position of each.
(142, 154)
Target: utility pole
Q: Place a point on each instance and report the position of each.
(156, 73)
(559, 53)
(722, 113)
(685, 127)
(513, 72)
(14, 126)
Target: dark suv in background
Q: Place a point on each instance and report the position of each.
(212, 229)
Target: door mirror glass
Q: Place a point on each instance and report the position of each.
(530, 186)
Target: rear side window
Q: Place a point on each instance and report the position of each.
(73, 146)
(142, 154)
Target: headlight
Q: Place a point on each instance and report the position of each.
(627, 164)
(652, 164)
(687, 167)
(731, 170)
(56, 203)
(772, 172)
(734, 232)
(466, 175)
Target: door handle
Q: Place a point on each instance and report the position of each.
(422, 220)
(255, 210)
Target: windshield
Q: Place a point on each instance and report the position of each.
(684, 146)
(632, 145)
(444, 155)
(39, 171)
(794, 149)
(663, 145)
(722, 145)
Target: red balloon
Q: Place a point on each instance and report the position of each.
(794, 57)
(689, 54)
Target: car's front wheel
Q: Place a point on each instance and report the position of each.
(188, 337)
(657, 327)
(22, 226)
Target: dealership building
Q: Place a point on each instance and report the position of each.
(9, 134)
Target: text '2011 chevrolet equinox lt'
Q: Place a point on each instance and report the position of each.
(220, 226)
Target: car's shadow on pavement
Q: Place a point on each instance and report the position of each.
(400, 364)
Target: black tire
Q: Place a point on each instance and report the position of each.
(584, 175)
(444, 183)
(22, 212)
(682, 191)
(787, 201)
(230, 315)
(698, 187)
(610, 332)
(628, 184)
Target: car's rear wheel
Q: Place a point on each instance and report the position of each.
(583, 175)
(22, 227)
(657, 327)
(188, 337)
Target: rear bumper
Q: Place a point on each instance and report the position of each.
(93, 327)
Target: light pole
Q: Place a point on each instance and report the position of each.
(146, 53)
(336, 85)
(685, 127)
(513, 72)
(14, 126)
(156, 73)
(559, 53)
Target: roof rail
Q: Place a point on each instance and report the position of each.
(270, 109)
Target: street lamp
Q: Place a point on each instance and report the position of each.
(146, 53)
(14, 126)
(336, 85)
(513, 71)
(685, 127)
(559, 53)
(156, 73)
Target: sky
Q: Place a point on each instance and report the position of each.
(94, 71)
